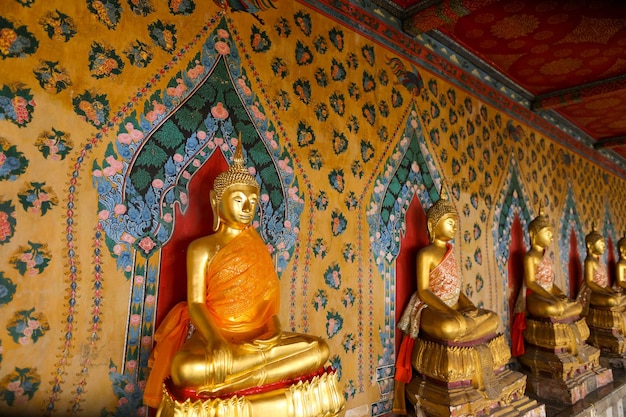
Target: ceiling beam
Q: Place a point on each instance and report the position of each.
(610, 142)
(561, 98)
(433, 14)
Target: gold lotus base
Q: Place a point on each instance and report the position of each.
(451, 363)
(549, 335)
(319, 397)
(468, 379)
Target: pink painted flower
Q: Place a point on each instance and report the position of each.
(178, 157)
(131, 365)
(219, 112)
(117, 249)
(139, 279)
(136, 135)
(26, 340)
(128, 238)
(201, 135)
(114, 163)
(13, 385)
(151, 116)
(157, 183)
(27, 331)
(119, 209)
(104, 214)
(147, 244)
(183, 198)
(96, 173)
(223, 34)
(135, 320)
(124, 138)
(257, 113)
(222, 48)
(129, 388)
(150, 299)
(167, 217)
(146, 341)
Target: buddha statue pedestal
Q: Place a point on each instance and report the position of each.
(561, 365)
(316, 395)
(606, 332)
(470, 378)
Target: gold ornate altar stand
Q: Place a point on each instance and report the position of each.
(606, 332)
(316, 395)
(467, 379)
(560, 364)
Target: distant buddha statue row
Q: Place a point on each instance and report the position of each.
(441, 322)
(549, 333)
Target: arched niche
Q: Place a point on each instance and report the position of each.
(409, 181)
(154, 179)
(509, 232)
(610, 255)
(571, 241)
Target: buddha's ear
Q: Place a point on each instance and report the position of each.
(215, 207)
(430, 227)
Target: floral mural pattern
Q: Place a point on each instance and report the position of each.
(109, 111)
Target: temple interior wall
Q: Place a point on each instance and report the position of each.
(350, 125)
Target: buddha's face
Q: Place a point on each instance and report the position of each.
(598, 247)
(622, 250)
(544, 237)
(238, 205)
(447, 227)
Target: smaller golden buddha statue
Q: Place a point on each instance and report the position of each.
(620, 266)
(441, 322)
(226, 340)
(439, 308)
(596, 290)
(544, 299)
(604, 306)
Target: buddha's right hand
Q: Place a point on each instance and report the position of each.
(219, 361)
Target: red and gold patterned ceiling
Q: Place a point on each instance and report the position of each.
(567, 57)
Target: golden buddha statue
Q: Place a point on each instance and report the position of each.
(620, 266)
(552, 334)
(226, 338)
(597, 291)
(544, 299)
(450, 314)
(441, 322)
(604, 306)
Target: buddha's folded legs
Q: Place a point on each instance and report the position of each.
(247, 366)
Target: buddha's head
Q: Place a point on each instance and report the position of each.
(438, 214)
(540, 230)
(621, 246)
(594, 242)
(235, 193)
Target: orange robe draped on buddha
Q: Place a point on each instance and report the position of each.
(242, 294)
